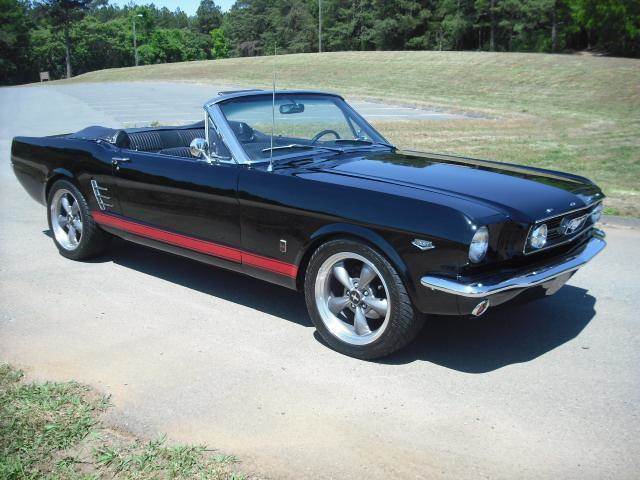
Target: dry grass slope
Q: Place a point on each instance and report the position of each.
(575, 113)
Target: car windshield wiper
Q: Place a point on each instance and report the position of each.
(363, 142)
(301, 145)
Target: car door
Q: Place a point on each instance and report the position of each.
(186, 202)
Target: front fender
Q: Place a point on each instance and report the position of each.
(367, 235)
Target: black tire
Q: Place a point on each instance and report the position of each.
(404, 322)
(93, 240)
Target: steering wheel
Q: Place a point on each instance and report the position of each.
(321, 134)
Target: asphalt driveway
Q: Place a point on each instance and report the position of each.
(545, 390)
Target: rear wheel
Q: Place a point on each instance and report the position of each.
(75, 233)
(358, 302)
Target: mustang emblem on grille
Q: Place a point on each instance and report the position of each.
(571, 225)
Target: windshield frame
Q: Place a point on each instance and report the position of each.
(242, 157)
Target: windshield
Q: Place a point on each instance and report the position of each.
(302, 122)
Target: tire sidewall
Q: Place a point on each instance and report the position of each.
(384, 344)
(87, 245)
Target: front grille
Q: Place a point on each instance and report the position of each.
(556, 233)
(557, 226)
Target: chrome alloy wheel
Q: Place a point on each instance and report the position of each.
(352, 298)
(66, 219)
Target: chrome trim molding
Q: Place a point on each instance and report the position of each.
(568, 212)
(564, 242)
(590, 207)
(527, 279)
(224, 96)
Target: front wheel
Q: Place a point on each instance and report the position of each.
(75, 232)
(357, 301)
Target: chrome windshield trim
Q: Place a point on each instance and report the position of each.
(525, 279)
(229, 95)
(231, 141)
(212, 107)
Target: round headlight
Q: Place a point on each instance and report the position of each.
(479, 245)
(538, 237)
(596, 213)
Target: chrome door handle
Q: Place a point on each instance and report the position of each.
(117, 160)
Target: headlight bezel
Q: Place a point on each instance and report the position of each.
(538, 237)
(479, 245)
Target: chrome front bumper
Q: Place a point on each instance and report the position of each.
(522, 280)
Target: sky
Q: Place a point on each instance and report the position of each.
(188, 6)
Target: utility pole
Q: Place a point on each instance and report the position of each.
(135, 41)
(319, 26)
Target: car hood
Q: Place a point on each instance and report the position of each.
(523, 193)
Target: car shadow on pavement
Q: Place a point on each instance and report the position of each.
(511, 333)
(218, 282)
(507, 334)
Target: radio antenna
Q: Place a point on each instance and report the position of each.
(273, 108)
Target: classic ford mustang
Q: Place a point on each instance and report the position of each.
(296, 188)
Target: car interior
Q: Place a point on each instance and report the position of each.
(175, 141)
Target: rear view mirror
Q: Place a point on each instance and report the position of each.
(289, 108)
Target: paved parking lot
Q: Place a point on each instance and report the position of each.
(139, 104)
(548, 390)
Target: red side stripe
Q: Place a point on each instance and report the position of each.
(202, 246)
(265, 263)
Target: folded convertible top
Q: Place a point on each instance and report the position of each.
(120, 137)
(100, 133)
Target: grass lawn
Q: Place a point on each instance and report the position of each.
(53, 431)
(575, 113)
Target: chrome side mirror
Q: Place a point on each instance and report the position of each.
(199, 147)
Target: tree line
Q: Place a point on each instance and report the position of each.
(70, 37)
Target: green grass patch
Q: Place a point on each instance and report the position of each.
(575, 113)
(53, 431)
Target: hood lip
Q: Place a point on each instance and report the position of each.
(569, 212)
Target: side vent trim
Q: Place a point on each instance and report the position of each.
(100, 197)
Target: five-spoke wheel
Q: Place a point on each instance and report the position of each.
(357, 300)
(66, 219)
(75, 233)
(352, 298)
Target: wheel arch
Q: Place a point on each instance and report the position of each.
(58, 174)
(351, 232)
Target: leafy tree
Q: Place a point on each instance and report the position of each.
(50, 34)
(349, 24)
(610, 24)
(292, 27)
(167, 45)
(165, 18)
(245, 24)
(47, 51)
(208, 16)
(14, 40)
(101, 45)
(62, 14)
(221, 47)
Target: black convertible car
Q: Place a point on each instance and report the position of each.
(296, 188)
